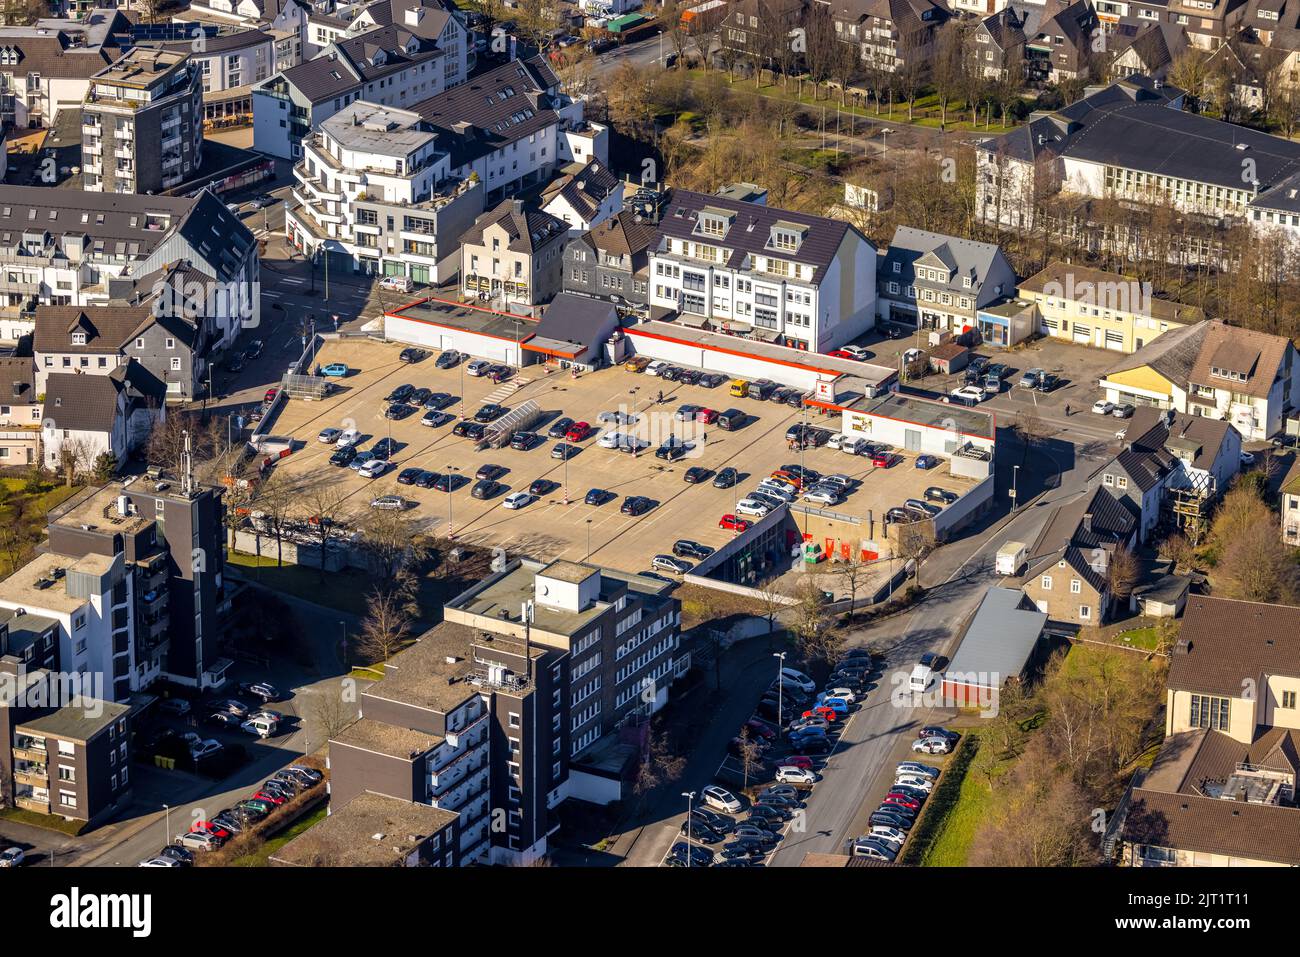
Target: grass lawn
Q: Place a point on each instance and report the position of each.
(1148, 639)
(953, 839)
(261, 857)
(23, 536)
(344, 591)
(47, 821)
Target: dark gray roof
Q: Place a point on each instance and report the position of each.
(528, 229)
(1001, 637)
(751, 229)
(962, 257)
(82, 403)
(493, 109)
(577, 320)
(584, 190)
(349, 63)
(17, 380)
(623, 234)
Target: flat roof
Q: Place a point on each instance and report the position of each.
(1000, 639)
(76, 723)
(1009, 308)
(389, 739)
(423, 675)
(20, 587)
(927, 412)
(572, 572)
(384, 130)
(371, 830)
(466, 318)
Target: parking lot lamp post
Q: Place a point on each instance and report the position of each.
(343, 628)
(780, 698)
(566, 479)
(463, 363)
(1015, 474)
(588, 540)
(690, 796)
(450, 484)
(167, 822)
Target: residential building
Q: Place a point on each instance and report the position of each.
(73, 761)
(1000, 42)
(1146, 47)
(418, 55)
(612, 260)
(1209, 23)
(375, 830)
(574, 332)
(939, 282)
(87, 416)
(1068, 577)
(802, 281)
(891, 35)
(1102, 309)
(524, 696)
(1290, 492)
(20, 413)
(584, 198)
(1132, 141)
(375, 193)
(46, 67)
(230, 61)
(1173, 467)
(134, 580)
(1245, 377)
(513, 254)
(754, 29)
(30, 641)
(1061, 45)
(142, 123)
(1158, 373)
(72, 248)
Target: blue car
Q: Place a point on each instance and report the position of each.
(335, 369)
(836, 704)
(926, 461)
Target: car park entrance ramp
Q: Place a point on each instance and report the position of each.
(309, 387)
(517, 419)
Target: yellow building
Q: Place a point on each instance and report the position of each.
(1102, 309)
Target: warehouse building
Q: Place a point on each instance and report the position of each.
(999, 645)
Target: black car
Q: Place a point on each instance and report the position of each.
(425, 479)
(813, 745)
(695, 475)
(671, 451)
(401, 393)
(542, 487)
(560, 428)
(444, 483)
(399, 410)
(469, 430)
(523, 441)
(598, 496)
(177, 853)
(235, 363)
(254, 349)
(688, 855)
(781, 801)
(772, 812)
(448, 360)
(490, 412)
(670, 374)
(635, 505)
(462, 428)
(797, 400)
(721, 823)
(416, 355)
(941, 495)
(498, 373)
(742, 850)
(486, 489)
(685, 548)
(419, 396)
(726, 478)
(438, 400)
(489, 472)
(343, 457)
(408, 476)
(701, 832)
(384, 448)
(689, 377)
(885, 819)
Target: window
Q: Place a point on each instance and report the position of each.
(1075, 586)
(66, 747)
(67, 774)
(514, 720)
(1209, 712)
(1085, 612)
(1288, 699)
(1047, 583)
(1121, 481)
(68, 798)
(176, 364)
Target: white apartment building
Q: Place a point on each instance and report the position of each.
(376, 194)
(801, 281)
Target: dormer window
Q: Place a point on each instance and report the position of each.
(786, 236)
(713, 222)
(78, 338)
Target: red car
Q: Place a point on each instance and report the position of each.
(271, 798)
(882, 460)
(707, 416)
(735, 524)
(822, 712)
(577, 432)
(841, 354)
(902, 799)
(757, 729)
(207, 827)
(797, 761)
(270, 395)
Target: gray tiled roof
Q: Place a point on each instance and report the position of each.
(963, 257)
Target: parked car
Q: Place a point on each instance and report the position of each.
(926, 461)
(1124, 410)
(636, 505)
(685, 548)
(401, 393)
(564, 451)
(412, 355)
(373, 468)
(1103, 407)
(517, 500)
(347, 439)
(478, 367)
(201, 841)
(262, 690)
(752, 506)
(733, 523)
(932, 745)
(12, 857)
(559, 428)
(726, 478)
(695, 475)
(335, 370)
(329, 436)
(788, 774)
(486, 488)
(874, 849)
(597, 496)
(720, 799)
(448, 360)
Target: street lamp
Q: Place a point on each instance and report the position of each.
(780, 698)
(588, 540)
(167, 822)
(343, 627)
(450, 484)
(1015, 475)
(690, 796)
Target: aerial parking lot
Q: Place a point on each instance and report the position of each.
(556, 518)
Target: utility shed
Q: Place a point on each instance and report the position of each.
(999, 644)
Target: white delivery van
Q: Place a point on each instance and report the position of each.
(922, 677)
(261, 726)
(1011, 558)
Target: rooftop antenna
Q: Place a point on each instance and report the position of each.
(526, 614)
(187, 466)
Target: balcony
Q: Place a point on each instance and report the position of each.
(33, 775)
(33, 755)
(32, 804)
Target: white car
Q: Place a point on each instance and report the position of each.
(393, 503)
(836, 440)
(780, 490)
(197, 839)
(160, 862)
(11, 857)
(967, 394)
(918, 781)
(749, 506)
(348, 438)
(1102, 407)
(888, 835)
(610, 440)
(720, 799)
(373, 469)
(858, 352)
(478, 367)
(204, 748)
(932, 745)
(656, 367)
(876, 850)
(793, 775)
(517, 500)
(846, 693)
(821, 496)
(796, 677)
(917, 769)
(854, 446)
(839, 481)
(400, 283)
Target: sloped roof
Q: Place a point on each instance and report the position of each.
(1172, 354)
(964, 257)
(1001, 637)
(584, 190)
(106, 327)
(621, 235)
(17, 379)
(1263, 832)
(1224, 642)
(528, 229)
(1258, 355)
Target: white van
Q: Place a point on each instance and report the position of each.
(922, 678)
(261, 726)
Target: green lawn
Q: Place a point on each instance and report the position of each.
(261, 857)
(49, 822)
(1148, 639)
(953, 839)
(343, 591)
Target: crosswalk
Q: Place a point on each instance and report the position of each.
(505, 391)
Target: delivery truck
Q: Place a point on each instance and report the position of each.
(1011, 558)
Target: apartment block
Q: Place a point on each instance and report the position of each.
(513, 256)
(73, 761)
(374, 830)
(375, 192)
(142, 123)
(745, 268)
(528, 693)
(134, 579)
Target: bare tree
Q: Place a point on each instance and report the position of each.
(330, 711)
(390, 614)
(854, 573)
(750, 757)
(76, 458)
(391, 542)
(810, 623)
(659, 765)
(1122, 574)
(273, 499)
(325, 511)
(677, 32)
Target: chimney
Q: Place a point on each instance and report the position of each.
(1087, 522)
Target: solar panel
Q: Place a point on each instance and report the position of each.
(171, 32)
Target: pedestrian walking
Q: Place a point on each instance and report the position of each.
(1067, 410)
